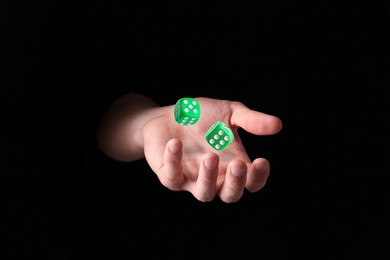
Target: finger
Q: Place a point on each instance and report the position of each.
(253, 121)
(173, 177)
(206, 184)
(257, 175)
(233, 187)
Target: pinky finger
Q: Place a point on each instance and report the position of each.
(172, 176)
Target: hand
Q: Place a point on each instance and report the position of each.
(183, 160)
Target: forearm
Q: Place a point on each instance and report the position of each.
(119, 133)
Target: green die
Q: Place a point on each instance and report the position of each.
(187, 111)
(219, 136)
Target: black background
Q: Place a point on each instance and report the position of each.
(321, 68)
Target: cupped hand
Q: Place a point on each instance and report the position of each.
(184, 161)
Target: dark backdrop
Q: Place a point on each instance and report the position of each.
(321, 68)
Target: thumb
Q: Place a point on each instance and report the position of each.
(253, 121)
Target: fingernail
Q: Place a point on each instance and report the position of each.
(236, 171)
(210, 164)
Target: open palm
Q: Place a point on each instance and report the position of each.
(183, 160)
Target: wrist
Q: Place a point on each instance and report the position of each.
(119, 133)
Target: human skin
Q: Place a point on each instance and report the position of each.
(136, 127)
